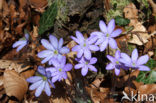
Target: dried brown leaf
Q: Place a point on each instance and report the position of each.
(98, 96)
(147, 89)
(140, 35)
(18, 66)
(14, 84)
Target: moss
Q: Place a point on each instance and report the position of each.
(62, 11)
(117, 9)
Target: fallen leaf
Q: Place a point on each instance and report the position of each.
(98, 96)
(147, 89)
(18, 66)
(1, 80)
(14, 84)
(96, 83)
(139, 34)
(38, 3)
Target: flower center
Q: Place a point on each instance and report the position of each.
(86, 63)
(107, 35)
(133, 64)
(44, 78)
(55, 52)
(84, 45)
(60, 70)
(117, 62)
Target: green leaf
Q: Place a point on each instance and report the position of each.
(48, 18)
(121, 21)
(151, 63)
(150, 76)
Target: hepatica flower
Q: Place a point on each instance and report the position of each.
(21, 43)
(107, 35)
(54, 49)
(59, 71)
(135, 62)
(85, 46)
(115, 64)
(86, 65)
(41, 82)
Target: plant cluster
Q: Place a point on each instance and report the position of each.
(55, 52)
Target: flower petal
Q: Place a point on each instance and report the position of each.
(111, 26)
(79, 36)
(53, 41)
(40, 89)
(46, 59)
(103, 26)
(33, 79)
(112, 43)
(142, 60)
(55, 78)
(47, 89)
(84, 71)
(68, 67)
(35, 85)
(117, 54)
(60, 43)
(96, 34)
(47, 45)
(110, 66)
(76, 48)
(99, 41)
(18, 43)
(125, 59)
(64, 50)
(117, 71)
(93, 47)
(134, 55)
(62, 61)
(21, 46)
(87, 54)
(75, 39)
(55, 63)
(64, 75)
(80, 53)
(44, 53)
(92, 39)
(116, 33)
(93, 60)
(112, 59)
(78, 66)
(51, 69)
(26, 36)
(52, 84)
(41, 70)
(144, 68)
(104, 45)
(92, 68)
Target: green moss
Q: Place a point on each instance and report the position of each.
(62, 11)
(117, 9)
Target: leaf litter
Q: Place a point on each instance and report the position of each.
(15, 68)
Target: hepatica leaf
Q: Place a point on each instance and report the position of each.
(121, 21)
(150, 76)
(48, 18)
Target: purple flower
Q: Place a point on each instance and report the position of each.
(85, 65)
(107, 34)
(59, 71)
(85, 46)
(21, 43)
(115, 64)
(41, 82)
(135, 62)
(54, 49)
